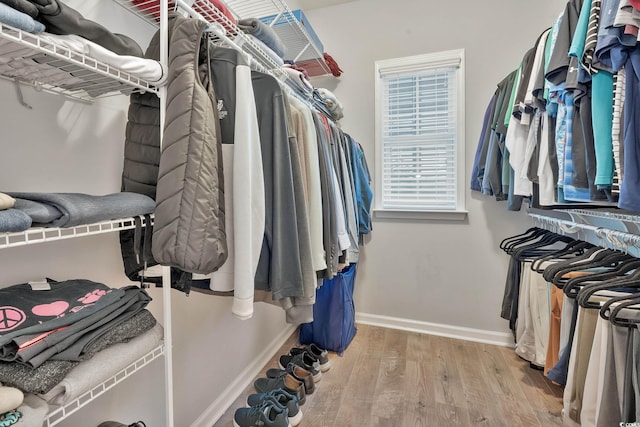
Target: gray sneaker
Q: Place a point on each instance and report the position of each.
(305, 361)
(320, 354)
(296, 372)
(282, 398)
(286, 382)
(268, 414)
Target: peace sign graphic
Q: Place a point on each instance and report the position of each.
(10, 318)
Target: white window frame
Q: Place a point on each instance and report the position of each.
(419, 63)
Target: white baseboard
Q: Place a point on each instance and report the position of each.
(504, 339)
(219, 406)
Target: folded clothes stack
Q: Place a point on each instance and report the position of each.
(61, 339)
(23, 210)
(265, 34)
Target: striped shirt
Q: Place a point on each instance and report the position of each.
(592, 37)
(619, 81)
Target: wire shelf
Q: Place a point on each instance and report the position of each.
(45, 234)
(300, 47)
(148, 10)
(61, 412)
(607, 214)
(31, 59)
(607, 228)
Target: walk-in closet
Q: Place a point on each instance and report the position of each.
(319, 213)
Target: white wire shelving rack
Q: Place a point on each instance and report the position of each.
(61, 70)
(79, 77)
(36, 235)
(222, 31)
(58, 414)
(300, 45)
(606, 228)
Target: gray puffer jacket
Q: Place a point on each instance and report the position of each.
(189, 231)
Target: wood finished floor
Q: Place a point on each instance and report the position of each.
(391, 378)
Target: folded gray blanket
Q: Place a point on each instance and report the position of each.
(264, 33)
(77, 209)
(40, 213)
(102, 366)
(13, 220)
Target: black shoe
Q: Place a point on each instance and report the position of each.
(319, 354)
(296, 372)
(286, 382)
(281, 397)
(268, 414)
(304, 361)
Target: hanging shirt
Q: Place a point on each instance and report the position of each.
(308, 137)
(243, 181)
(279, 268)
(630, 188)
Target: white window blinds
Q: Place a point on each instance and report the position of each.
(418, 131)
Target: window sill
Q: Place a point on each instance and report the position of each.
(386, 214)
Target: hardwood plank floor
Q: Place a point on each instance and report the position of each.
(391, 378)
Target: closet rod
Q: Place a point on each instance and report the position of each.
(218, 31)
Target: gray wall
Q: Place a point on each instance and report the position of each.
(447, 273)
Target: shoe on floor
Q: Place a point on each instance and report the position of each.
(286, 382)
(304, 361)
(282, 398)
(268, 414)
(301, 374)
(321, 355)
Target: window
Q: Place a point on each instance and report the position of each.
(420, 136)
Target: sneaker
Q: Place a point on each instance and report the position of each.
(304, 361)
(296, 372)
(282, 398)
(268, 414)
(321, 355)
(286, 382)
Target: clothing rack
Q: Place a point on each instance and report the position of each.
(224, 32)
(611, 230)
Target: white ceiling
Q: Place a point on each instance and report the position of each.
(317, 4)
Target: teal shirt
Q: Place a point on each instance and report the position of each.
(580, 34)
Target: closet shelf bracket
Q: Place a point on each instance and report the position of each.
(21, 100)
